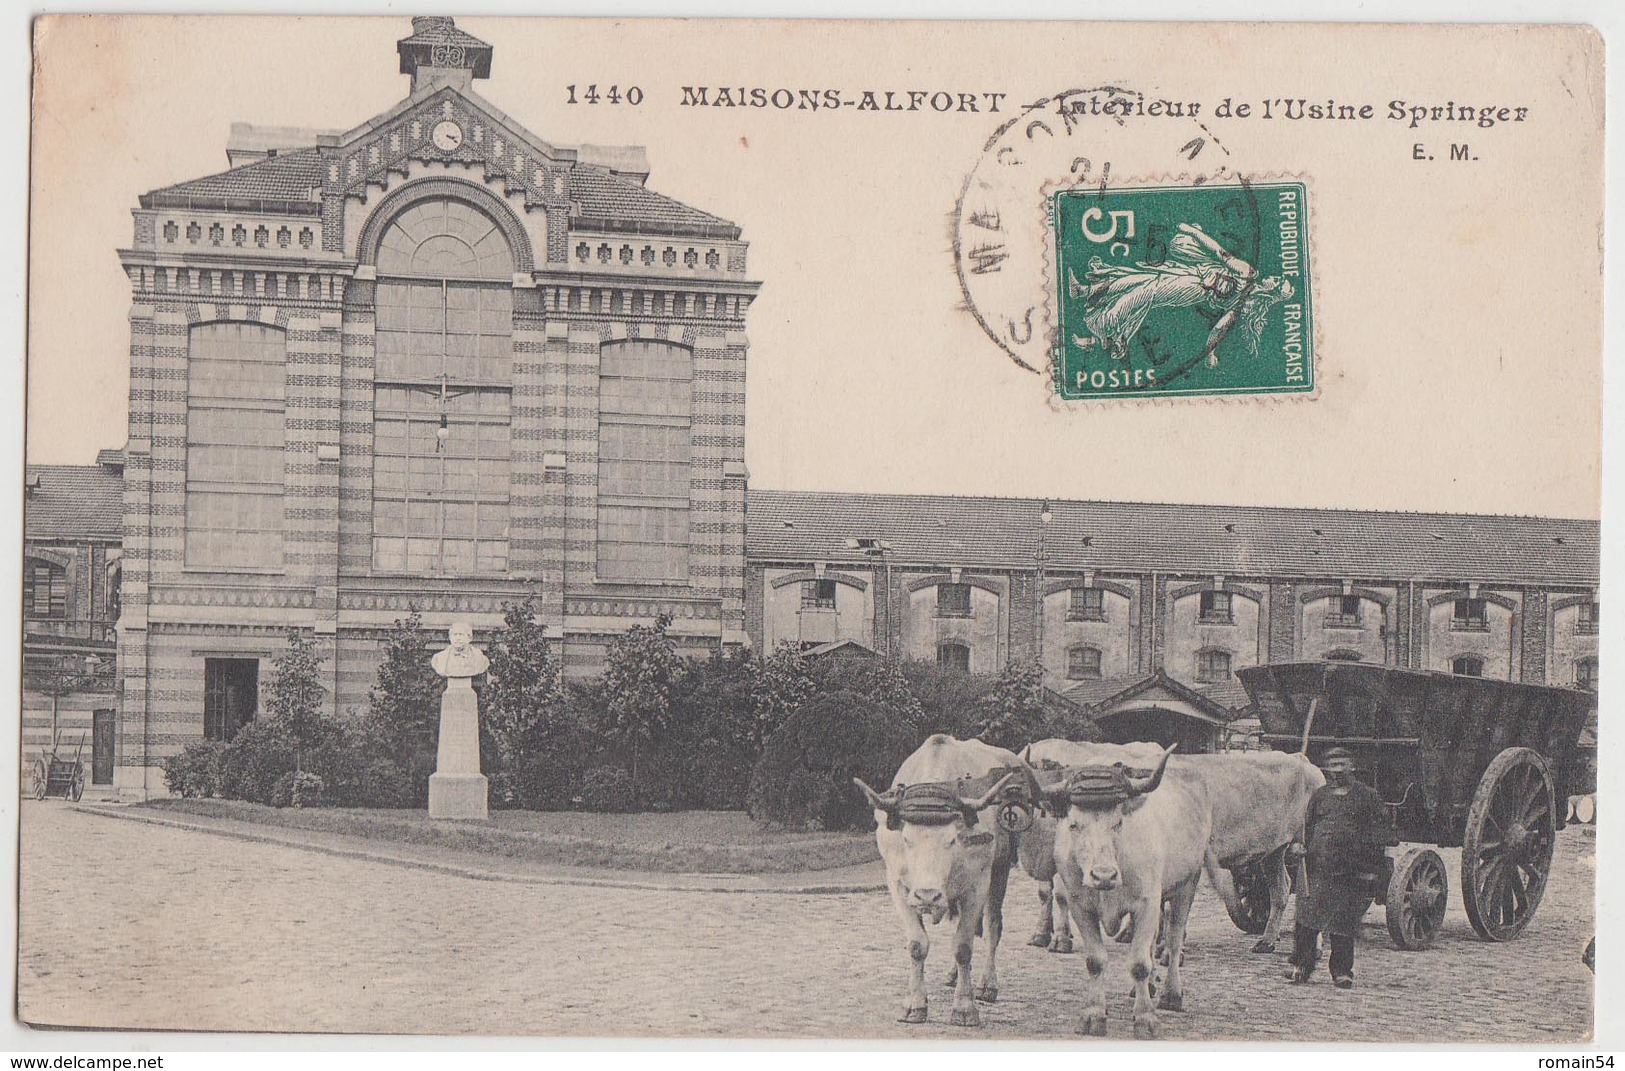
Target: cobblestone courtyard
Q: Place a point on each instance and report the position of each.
(128, 925)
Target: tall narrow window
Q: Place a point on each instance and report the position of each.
(45, 589)
(645, 443)
(235, 446)
(443, 395)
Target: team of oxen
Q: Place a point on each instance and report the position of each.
(1117, 835)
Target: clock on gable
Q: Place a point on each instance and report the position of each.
(447, 135)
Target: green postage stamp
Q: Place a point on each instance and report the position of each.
(1183, 290)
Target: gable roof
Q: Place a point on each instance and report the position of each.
(610, 201)
(1099, 695)
(951, 530)
(292, 180)
(79, 503)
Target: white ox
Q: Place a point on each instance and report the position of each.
(1257, 799)
(1037, 844)
(1126, 843)
(946, 857)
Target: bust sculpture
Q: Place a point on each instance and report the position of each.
(462, 659)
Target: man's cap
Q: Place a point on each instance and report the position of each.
(1336, 753)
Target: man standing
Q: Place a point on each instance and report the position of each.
(1345, 829)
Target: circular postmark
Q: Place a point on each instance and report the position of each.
(1159, 220)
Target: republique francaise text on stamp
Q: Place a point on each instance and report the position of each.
(1182, 290)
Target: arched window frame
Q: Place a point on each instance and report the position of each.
(1467, 665)
(443, 377)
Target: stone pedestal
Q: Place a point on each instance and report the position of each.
(457, 789)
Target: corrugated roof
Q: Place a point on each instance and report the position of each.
(74, 502)
(292, 176)
(609, 199)
(950, 531)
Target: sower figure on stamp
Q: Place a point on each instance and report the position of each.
(1345, 829)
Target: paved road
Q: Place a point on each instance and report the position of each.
(131, 925)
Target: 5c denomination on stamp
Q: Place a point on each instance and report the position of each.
(1182, 290)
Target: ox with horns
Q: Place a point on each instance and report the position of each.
(1126, 842)
(1257, 800)
(947, 857)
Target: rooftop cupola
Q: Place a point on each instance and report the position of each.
(439, 54)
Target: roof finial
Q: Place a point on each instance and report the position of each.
(438, 54)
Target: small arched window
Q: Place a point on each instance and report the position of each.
(954, 656)
(45, 589)
(1083, 663)
(1212, 665)
(1467, 666)
(1343, 654)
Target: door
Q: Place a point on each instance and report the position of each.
(101, 747)
(231, 695)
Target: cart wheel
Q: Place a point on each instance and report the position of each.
(1252, 911)
(1507, 851)
(78, 788)
(1416, 899)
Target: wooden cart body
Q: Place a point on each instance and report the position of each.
(1461, 761)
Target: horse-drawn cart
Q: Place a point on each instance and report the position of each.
(1461, 761)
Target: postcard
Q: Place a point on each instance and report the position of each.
(812, 529)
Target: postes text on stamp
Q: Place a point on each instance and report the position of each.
(1182, 290)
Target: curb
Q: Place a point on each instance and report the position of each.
(704, 883)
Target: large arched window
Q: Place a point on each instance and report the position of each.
(443, 392)
(235, 440)
(645, 445)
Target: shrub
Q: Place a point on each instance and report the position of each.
(253, 762)
(804, 778)
(195, 772)
(607, 788)
(383, 784)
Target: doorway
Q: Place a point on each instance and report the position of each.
(101, 747)
(231, 696)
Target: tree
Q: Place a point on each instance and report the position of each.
(403, 707)
(523, 707)
(297, 695)
(776, 685)
(1012, 712)
(640, 672)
